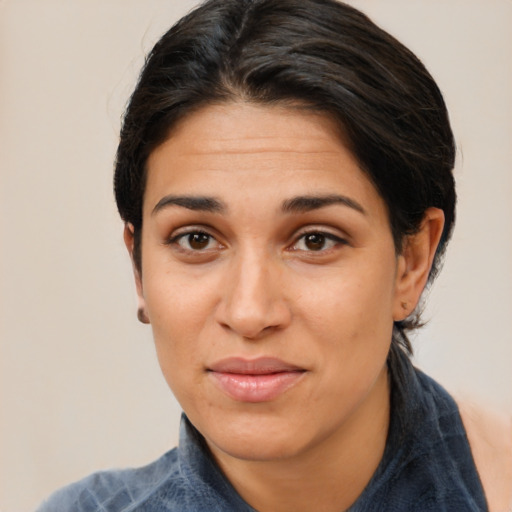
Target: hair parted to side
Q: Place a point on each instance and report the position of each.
(319, 54)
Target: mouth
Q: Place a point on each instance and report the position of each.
(257, 380)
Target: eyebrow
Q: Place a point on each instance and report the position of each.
(303, 204)
(298, 204)
(196, 203)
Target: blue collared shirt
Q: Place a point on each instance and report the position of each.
(427, 467)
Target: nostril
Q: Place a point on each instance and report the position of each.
(255, 327)
(252, 304)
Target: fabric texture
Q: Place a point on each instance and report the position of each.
(427, 466)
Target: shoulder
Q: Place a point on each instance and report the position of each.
(427, 463)
(490, 438)
(115, 490)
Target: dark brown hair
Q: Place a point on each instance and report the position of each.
(323, 55)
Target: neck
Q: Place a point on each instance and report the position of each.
(327, 477)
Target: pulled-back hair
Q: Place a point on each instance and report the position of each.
(322, 55)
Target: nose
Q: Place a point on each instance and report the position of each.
(253, 302)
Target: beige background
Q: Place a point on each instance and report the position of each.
(80, 386)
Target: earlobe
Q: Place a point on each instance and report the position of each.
(129, 242)
(415, 262)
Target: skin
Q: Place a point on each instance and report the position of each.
(317, 287)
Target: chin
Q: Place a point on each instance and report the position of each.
(257, 436)
(258, 448)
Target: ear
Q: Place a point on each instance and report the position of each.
(129, 241)
(415, 262)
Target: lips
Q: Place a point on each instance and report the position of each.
(258, 380)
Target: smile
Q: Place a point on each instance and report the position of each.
(259, 380)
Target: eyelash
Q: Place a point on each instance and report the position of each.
(175, 240)
(325, 238)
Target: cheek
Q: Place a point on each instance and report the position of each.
(178, 313)
(349, 314)
(354, 303)
(178, 356)
(176, 295)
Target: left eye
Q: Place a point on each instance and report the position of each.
(316, 242)
(195, 241)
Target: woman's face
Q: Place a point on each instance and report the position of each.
(269, 277)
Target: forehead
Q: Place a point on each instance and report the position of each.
(239, 126)
(240, 150)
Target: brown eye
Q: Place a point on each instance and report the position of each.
(314, 241)
(198, 241)
(317, 241)
(195, 241)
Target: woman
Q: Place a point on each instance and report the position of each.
(285, 178)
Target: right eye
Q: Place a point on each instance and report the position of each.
(195, 241)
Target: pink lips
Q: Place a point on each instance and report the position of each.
(257, 380)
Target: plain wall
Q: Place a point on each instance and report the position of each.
(80, 385)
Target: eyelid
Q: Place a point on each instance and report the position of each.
(178, 236)
(188, 229)
(181, 233)
(339, 239)
(321, 230)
